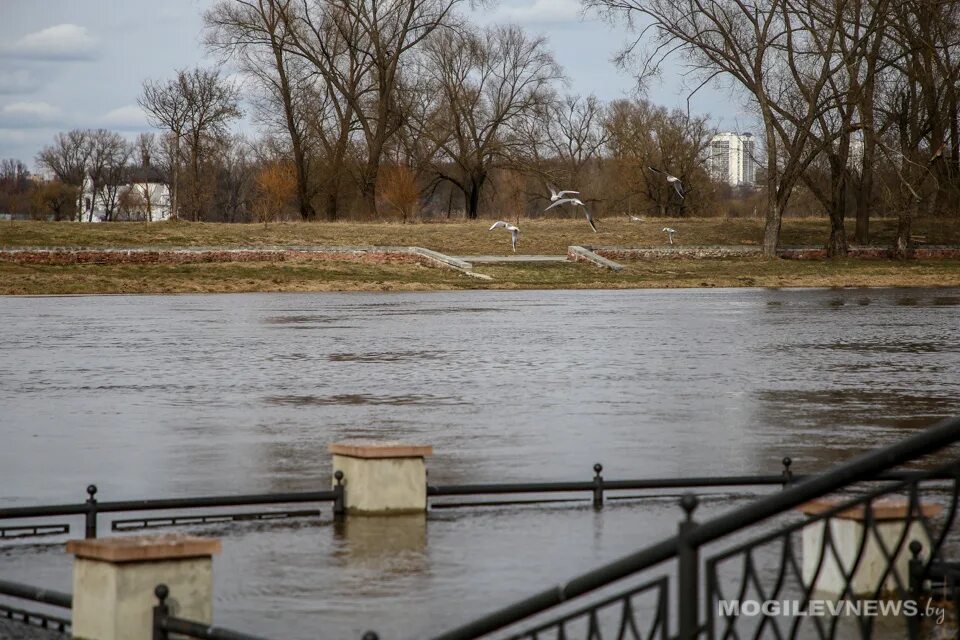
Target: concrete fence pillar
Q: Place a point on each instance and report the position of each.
(846, 530)
(114, 581)
(382, 477)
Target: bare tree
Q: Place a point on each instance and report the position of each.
(641, 135)
(486, 86)
(253, 32)
(760, 46)
(68, 158)
(359, 47)
(166, 108)
(109, 156)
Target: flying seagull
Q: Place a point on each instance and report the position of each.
(674, 180)
(669, 232)
(577, 203)
(556, 195)
(514, 231)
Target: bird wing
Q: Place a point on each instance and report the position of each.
(679, 188)
(590, 219)
(654, 170)
(559, 202)
(553, 194)
(497, 225)
(566, 192)
(514, 231)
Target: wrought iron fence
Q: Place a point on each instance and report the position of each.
(185, 509)
(693, 609)
(622, 600)
(47, 597)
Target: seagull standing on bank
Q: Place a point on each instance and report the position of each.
(576, 203)
(514, 231)
(669, 232)
(556, 195)
(674, 180)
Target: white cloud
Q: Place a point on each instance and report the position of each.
(127, 117)
(59, 42)
(540, 11)
(17, 81)
(25, 115)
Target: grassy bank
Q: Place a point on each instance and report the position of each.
(551, 236)
(462, 238)
(229, 277)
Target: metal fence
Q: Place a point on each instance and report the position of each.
(54, 599)
(622, 600)
(692, 614)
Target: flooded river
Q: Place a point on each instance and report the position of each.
(167, 396)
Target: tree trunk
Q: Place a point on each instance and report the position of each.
(175, 179)
(902, 245)
(774, 220)
(333, 203)
(473, 202)
(837, 245)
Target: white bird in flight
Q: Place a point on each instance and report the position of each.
(556, 195)
(514, 231)
(577, 203)
(674, 180)
(669, 232)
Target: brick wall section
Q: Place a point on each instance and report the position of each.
(173, 256)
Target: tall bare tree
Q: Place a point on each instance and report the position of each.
(253, 32)
(166, 107)
(758, 45)
(486, 86)
(360, 48)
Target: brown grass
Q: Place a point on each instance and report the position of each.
(551, 236)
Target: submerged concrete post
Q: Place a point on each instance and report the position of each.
(846, 531)
(382, 477)
(114, 581)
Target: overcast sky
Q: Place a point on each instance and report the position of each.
(67, 64)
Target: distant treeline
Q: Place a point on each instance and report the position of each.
(403, 109)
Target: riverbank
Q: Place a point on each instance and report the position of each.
(165, 257)
(306, 275)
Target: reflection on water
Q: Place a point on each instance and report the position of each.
(153, 396)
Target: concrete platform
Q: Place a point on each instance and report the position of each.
(510, 258)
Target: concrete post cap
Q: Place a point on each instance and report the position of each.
(882, 509)
(379, 449)
(144, 548)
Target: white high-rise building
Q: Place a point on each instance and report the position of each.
(732, 158)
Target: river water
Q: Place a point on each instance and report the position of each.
(167, 396)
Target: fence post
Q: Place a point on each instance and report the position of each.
(382, 477)
(115, 584)
(597, 486)
(91, 515)
(915, 571)
(787, 472)
(160, 611)
(688, 564)
(339, 501)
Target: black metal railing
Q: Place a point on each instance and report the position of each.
(165, 623)
(47, 597)
(684, 549)
(598, 489)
